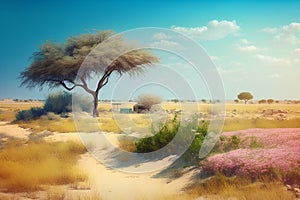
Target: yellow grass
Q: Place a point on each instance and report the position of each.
(58, 125)
(247, 116)
(233, 124)
(28, 167)
(260, 107)
(9, 109)
(221, 187)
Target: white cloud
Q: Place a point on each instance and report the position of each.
(287, 34)
(249, 48)
(287, 38)
(161, 36)
(293, 27)
(297, 51)
(270, 30)
(246, 46)
(213, 31)
(269, 60)
(165, 44)
(245, 41)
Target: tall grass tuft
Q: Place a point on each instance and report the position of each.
(28, 167)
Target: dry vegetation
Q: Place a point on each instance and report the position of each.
(33, 166)
(27, 167)
(221, 187)
(9, 109)
(238, 117)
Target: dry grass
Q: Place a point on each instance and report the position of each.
(9, 109)
(260, 107)
(59, 125)
(57, 193)
(232, 124)
(108, 124)
(28, 167)
(244, 118)
(220, 187)
(127, 143)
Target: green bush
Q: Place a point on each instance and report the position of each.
(32, 113)
(58, 103)
(168, 132)
(191, 155)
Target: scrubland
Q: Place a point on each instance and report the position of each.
(256, 157)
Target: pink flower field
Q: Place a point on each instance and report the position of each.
(278, 149)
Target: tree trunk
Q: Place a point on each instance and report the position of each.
(95, 110)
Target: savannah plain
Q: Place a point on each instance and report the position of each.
(44, 158)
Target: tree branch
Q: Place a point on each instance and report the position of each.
(83, 85)
(104, 80)
(66, 87)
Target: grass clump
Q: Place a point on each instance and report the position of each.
(223, 187)
(28, 167)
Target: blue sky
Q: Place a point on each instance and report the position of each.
(254, 44)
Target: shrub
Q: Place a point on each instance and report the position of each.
(148, 100)
(58, 103)
(270, 101)
(160, 139)
(262, 101)
(175, 100)
(32, 113)
(168, 132)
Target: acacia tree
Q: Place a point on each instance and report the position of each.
(270, 101)
(245, 96)
(66, 64)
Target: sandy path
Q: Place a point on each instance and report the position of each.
(110, 183)
(113, 184)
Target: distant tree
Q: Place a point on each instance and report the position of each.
(276, 101)
(58, 64)
(148, 100)
(175, 100)
(245, 96)
(203, 100)
(270, 101)
(262, 101)
(236, 101)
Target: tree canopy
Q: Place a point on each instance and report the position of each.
(71, 64)
(245, 96)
